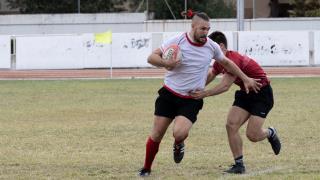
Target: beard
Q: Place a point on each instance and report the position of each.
(200, 38)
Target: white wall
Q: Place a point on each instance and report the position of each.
(317, 47)
(131, 49)
(283, 24)
(95, 55)
(71, 23)
(61, 52)
(260, 24)
(284, 48)
(82, 51)
(77, 51)
(49, 52)
(5, 55)
(136, 22)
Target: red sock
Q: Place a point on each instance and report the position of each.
(151, 151)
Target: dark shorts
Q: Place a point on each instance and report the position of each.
(169, 105)
(258, 104)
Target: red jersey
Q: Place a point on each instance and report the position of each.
(247, 65)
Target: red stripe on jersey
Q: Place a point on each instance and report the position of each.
(177, 94)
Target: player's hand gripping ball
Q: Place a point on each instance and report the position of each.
(172, 56)
(172, 51)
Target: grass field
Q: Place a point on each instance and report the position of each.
(96, 129)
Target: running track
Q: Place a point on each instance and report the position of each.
(137, 73)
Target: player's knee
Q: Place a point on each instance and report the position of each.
(156, 135)
(231, 127)
(180, 135)
(252, 136)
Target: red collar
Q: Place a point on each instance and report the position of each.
(193, 43)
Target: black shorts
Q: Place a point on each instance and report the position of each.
(258, 104)
(169, 105)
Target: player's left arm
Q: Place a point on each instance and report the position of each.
(249, 83)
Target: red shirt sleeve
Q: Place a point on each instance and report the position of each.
(217, 68)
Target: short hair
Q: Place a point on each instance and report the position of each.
(219, 37)
(201, 15)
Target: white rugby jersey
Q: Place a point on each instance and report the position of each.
(191, 74)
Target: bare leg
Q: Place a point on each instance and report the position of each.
(236, 117)
(160, 126)
(255, 132)
(181, 128)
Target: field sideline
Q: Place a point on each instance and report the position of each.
(96, 129)
(138, 73)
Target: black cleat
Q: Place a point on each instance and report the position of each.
(274, 141)
(178, 152)
(236, 169)
(144, 172)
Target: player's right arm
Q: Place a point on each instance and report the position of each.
(156, 59)
(224, 85)
(249, 83)
(210, 77)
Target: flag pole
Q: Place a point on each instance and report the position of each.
(111, 60)
(105, 38)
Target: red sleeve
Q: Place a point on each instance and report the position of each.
(216, 68)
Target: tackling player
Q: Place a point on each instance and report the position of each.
(252, 107)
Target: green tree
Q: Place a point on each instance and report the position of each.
(214, 8)
(67, 6)
(302, 8)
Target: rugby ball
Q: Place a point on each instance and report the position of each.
(172, 51)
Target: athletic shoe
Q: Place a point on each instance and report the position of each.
(236, 169)
(144, 172)
(274, 141)
(178, 152)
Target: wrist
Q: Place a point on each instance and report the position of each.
(208, 93)
(246, 79)
(164, 63)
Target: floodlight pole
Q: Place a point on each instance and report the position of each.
(253, 9)
(79, 6)
(185, 9)
(147, 9)
(240, 15)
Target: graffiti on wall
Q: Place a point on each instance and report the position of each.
(276, 48)
(137, 43)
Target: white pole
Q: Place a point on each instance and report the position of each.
(240, 15)
(111, 61)
(147, 9)
(253, 9)
(185, 9)
(79, 6)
